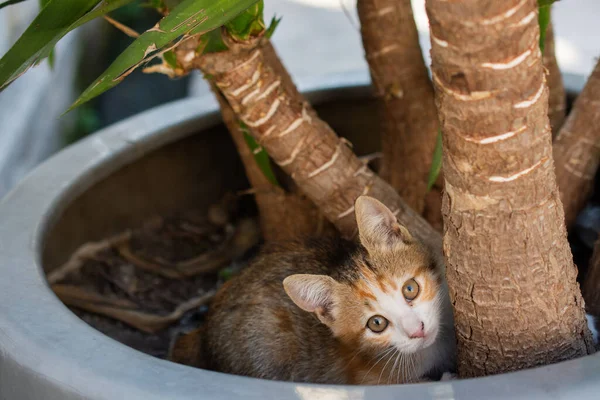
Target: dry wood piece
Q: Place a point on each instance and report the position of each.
(509, 266)
(126, 312)
(84, 253)
(398, 72)
(557, 99)
(305, 147)
(137, 277)
(577, 149)
(239, 242)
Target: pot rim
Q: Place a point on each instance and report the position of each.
(47, 352)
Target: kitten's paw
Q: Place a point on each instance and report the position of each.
(448, 376)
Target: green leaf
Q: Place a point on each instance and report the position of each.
(272, 26)
(212, 42)
(171, 59)
(188, 18)
(544, 3)
(260, 155)
(248, 24)
(53, 22)
(51, 55)
(544, 21)
(436, 164)
(9, 3)
(41, 36)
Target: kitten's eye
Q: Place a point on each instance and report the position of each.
(410, 290)
(377, 323)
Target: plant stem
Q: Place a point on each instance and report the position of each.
(509, 266)
(305, 147)
(409, 117)
(577, 149)
(557, 98)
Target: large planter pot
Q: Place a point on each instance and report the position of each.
(157, 162)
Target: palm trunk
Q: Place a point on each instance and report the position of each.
(577, 149)
(591, 284)
(283, 215)
(509, 267)
(409, 123)
(305, 147)
(557, 98)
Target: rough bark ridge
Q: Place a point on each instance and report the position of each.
(509, 267)
(305, 147)
(283, 215)
(577, 148)
(557, 98)
(591, 285)
(398, 72)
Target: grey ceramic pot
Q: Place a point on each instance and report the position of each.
(156, 162)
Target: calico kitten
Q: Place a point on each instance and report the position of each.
(334, 311)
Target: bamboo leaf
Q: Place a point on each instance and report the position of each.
(260, 155)
(54, 21)
(436, 164)
(544, 21)
(9, 3)
(249, 23)
(51, 55)
(271, 29)
(188, 18)
(212, 42)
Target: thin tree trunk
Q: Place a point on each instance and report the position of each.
(591, 284)
(305, 147)
(557, 98)
(433, 208)
(282, 215)
(409, 123)
(577, 149)
(509, 267)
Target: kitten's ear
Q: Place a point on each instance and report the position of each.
(378, 226)
(312, 293)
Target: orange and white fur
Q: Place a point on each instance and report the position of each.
(374, 311)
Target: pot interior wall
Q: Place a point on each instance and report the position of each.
(191, 173)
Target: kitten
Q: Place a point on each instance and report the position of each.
(333, 311)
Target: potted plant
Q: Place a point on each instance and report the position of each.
(498, 180)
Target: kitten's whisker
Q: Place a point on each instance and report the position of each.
(383, 353)
(396, 355)
(353, 357)
(386, 364)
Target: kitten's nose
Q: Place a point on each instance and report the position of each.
(419, 333)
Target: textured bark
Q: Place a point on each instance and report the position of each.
(283, 215)
(409, 124)
(433, 208)
(305, 147)
(557, 98)
(591, 284)
(509, 267)
(577, 149)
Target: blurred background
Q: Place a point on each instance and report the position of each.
(315, 37)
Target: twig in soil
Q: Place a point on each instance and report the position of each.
(245, 237)
(71, 293)
(84, 253)
(126, 311)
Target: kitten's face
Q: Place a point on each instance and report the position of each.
(396, 297)
(396, 302)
